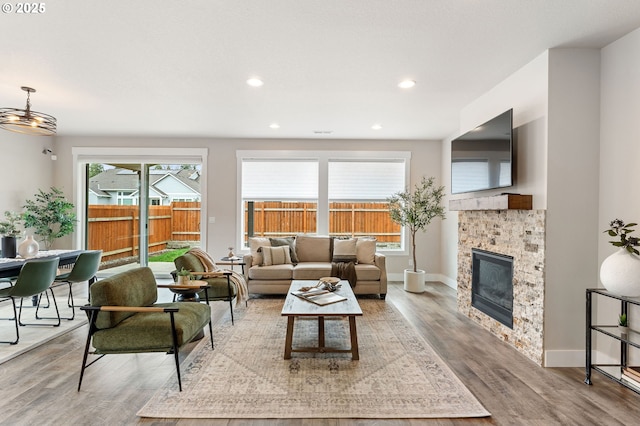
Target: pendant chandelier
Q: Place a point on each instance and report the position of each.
(27, 121)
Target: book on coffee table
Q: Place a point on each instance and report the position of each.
(319, 296)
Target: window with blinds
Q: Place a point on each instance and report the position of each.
(342, 197)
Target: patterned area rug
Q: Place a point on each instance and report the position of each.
(398, 375)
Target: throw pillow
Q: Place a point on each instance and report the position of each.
(286, 241)
(254, 245)
(344, 250)
(275, 255)
(366, 250)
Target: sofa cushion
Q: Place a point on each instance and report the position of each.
(135, 287)
(286, 241)
(254, 245)
(143, 331)
(311, 270)
(275, 255)
(344, 250)
(366, 250)
(275, 272)
(313, 248)
(366, 272)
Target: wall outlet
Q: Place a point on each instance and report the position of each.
(410, 262)
(212, 219)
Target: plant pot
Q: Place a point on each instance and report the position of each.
(623, 329)
(183, 279)
(9, 247)
(620, 273)
(414, 281)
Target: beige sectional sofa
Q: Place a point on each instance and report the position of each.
(274, 262)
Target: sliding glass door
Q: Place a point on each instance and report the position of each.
(142, 214)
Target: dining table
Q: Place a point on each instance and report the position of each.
(10, 267)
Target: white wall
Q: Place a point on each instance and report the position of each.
(555, 101)
(572, 200)
(526, 92)
(619, 155)
(25, 169)
(221, 180)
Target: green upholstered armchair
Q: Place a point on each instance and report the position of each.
(125, 318)
(220, 285)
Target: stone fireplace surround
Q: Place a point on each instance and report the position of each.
(517, 233)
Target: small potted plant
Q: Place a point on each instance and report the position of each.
(9, 231)
(416, 210)
(623, 325)
(184, 276)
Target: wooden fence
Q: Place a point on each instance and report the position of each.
(114, 229)
(274, 218)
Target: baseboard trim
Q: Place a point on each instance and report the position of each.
(428, 277)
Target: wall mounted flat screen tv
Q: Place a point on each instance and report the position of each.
(482, 158)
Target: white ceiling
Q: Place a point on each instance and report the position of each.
(178, 68)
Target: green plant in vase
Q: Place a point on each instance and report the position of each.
(50, 215)
(9, 231)
(184, 275)
(622, 320)
(415, 210)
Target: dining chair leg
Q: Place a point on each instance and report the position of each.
(69, 303)
(55, 304)
(15, 320)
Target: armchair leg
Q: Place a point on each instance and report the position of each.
(211, 334)
(175, 349)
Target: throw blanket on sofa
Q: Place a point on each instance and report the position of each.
(236, 278)
(345, 271)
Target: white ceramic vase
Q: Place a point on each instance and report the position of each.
(414, 281)
(620, 273)
(28, 247)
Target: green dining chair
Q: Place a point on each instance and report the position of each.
(84, 269)
(36, 277)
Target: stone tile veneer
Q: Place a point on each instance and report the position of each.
(517, 233)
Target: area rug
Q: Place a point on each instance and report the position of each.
(398, 375)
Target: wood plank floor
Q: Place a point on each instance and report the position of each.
(39, 387)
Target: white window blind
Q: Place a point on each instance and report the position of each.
(282, 180)
(470, 175)
(365, 180)
(505, 173)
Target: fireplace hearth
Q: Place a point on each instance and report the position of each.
(492, 285)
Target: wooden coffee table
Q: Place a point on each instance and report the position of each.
(295, 307)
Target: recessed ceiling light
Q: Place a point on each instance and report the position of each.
(255, 82)
(406, 84)
(274, 125)
(376, 127)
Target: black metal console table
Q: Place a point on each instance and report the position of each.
(631, 338)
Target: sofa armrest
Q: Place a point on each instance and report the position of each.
(248, 262)
(381, 262)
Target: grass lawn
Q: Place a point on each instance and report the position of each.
(168, 256)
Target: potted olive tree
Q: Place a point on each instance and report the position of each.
(50, 215)
(415, 210)
(9, 231)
